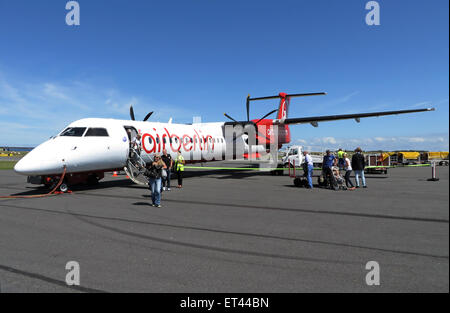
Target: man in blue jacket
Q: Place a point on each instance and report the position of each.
(327, 164)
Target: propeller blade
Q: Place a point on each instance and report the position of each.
(148, 116)
(248, 108)
(132, 113)
(270, 113)
(229, 117)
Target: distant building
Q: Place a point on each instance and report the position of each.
(17, 149)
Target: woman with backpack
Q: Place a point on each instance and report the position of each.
(154, 173)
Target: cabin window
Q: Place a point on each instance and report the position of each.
(73, 132)
(97, 132)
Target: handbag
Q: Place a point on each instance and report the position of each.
(163, 173)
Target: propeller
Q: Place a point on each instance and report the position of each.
(248, 108)
(132, 113)
(229, 117)
(148, 116)
(270, 113)
(256, 123)
(133, 117)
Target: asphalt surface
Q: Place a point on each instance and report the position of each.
(229, 232)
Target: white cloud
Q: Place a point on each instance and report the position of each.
(416, 139)
(430, 142)
(48, 106)
(329, 140)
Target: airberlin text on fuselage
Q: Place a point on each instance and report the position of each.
(156, 143)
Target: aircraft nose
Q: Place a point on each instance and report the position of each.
(23, 167)
(40, 161)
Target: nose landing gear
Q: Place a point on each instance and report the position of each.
(63, 187)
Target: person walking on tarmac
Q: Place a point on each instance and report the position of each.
(328, 161)
(179, 168)
(154, 174)
(358, 165)
(309, 166)
(341, 160)
(167, 159)
(348, 171)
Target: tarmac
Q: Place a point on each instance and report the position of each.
(229, 231)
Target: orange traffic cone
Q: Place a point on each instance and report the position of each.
(115, 174)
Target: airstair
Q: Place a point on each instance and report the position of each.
(135, 168)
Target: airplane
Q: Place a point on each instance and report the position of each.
(88, 148)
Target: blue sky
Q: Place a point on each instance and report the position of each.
(202, 57)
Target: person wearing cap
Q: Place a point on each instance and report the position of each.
(358, 165)
(327, 163)
(154, 174)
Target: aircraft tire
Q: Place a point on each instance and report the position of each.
(63, 187)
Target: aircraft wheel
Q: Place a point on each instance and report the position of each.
(63, 187)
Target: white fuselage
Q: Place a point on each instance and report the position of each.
(86, 152)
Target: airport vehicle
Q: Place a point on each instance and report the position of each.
(294, 157)
(377, 163)
(440, 158)
(88, 148)
(405, 158)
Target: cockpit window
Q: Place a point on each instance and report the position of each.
(96, 132)
(73, 132)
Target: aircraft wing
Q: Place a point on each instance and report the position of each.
(314, 120)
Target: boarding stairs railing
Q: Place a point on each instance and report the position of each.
(135, 168)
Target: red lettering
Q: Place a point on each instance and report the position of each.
(199, 140)
(172, 139)
(153, 149)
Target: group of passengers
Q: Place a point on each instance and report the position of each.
(159, 170)
(336, 171)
